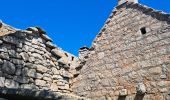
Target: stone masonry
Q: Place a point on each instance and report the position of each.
(130, 57)
(129, 60)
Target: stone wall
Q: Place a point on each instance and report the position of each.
(29, 60)
(129, 59)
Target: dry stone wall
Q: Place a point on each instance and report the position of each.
(129, 59)
(29, 60)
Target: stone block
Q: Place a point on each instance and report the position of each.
(8, 68)
(40, 82)
(41, 69)
(11, 84)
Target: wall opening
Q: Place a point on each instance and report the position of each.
(143, 30)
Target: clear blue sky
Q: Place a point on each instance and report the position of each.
(70, 23)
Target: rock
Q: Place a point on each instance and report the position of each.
(66, 74)
(100, 55)
(10, 39)
(2, 81)
(18, 71)
(57, 77)
(30, 65)
(39, 76)
(13, 54)
(123, 92)
(41, 31)
(46, 38)
(141, 89)
(50, 45)
(40, 82)
(32, 73)
(21, 79)
(65, 62)
(41, 69)
(28, 86)
(1, 42)
(8, 68)
(33, 29)
(1, 61)
(18, 61)
(4, 56)
(57, 53)
(36, 55)
(11, 84)
(54, 87)
(155, 70)
(55, 71)
(24, 56)
(47, 79)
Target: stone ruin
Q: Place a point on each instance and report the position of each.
(129, 60)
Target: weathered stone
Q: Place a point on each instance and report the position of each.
(155, 70)
(21, 79)
(123, 92)
(141, 89)
(10, 39)
(28, 86)
(18, 61)
(36, 55)
(11, 84)
(8, 68)
(24, 56)
(1, 61)
(32, 73)
(57, 77)
(1, 42)
(41, 69)
(57, 53)
(2, 81)
(54, 87)
(39, 76)
(50, 45)
(55, 71)
(18, 71)
(4, 56)
(40, 82)
(47, 79)
(33, 29)
(45, 37)
(13, 54)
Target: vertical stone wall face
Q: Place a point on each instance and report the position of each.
(130, 59)
(29, 60)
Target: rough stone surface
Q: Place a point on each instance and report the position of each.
(8, 68)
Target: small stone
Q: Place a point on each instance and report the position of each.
(1, 42)
(1, 61)
(4, 56)
(32, 73)
(39, 76)
(55, 71)
(54, 87)
(123, 92)
(28, 86)
(40, 82)
(100, 55)
(10, 39)
(11, 84)
(33, 29)
(155, 70)
(41, 69)
(2, 81)
(18, 71)
(50, 45)
(8, 68)
(21, 79)
(57, 53)
(47, 79)
(141, 89)
(56, 77)
(18, 61)
(46, 38)
(36, 55)
(24, 56)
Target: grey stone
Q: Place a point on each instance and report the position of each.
(123, 92)
(57, 52)
(28, 86)
(11, 84)
(32, 73)
(13, 54)
(33, 29)
(18, 71)
(24, 56)
(50, 45)
(55, 71)
(47, 79)
(39, 76)
(18, 61)
(40, 82)
(45, 37)
(21, 79)
(2, 81)
(141, 89)
(4, 56)
(10, 39)
(1, 61)
(8, 68)
(36, 55)
(41, 69)
(1, 42)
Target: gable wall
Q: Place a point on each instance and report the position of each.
(124, 61)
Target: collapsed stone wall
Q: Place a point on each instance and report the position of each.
(29, 60)
(129, 59)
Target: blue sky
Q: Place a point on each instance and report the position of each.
(70, 23)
